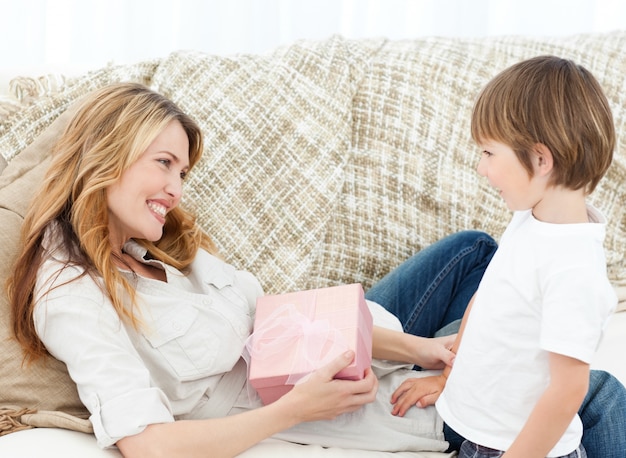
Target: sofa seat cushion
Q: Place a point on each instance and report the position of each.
(43, 391)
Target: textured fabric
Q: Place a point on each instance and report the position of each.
(10, 419)
(42, 386)
(41, 103)
(412, 179)
(47, 419)
(277, 133)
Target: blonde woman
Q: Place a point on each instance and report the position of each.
(117, 281)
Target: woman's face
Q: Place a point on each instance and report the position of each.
(149, 188)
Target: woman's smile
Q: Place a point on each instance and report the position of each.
(151, 186)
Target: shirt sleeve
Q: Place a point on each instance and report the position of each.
(78, 325)
(251, 288)
(577, 305)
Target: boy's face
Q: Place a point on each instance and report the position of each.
(499, 164)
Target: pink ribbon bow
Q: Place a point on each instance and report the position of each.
(316, 343)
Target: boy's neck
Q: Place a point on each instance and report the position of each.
(562, 206)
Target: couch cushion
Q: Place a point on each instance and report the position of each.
(277, 135)
(43, 388)
(412, 178)
(37, 105)
(44, 385)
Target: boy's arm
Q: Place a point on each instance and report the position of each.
(425, 391)
(569, 382)
(457, 342)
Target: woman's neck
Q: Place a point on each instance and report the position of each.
(126, 262)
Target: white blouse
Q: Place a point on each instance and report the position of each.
(193, 329)
(185, 361)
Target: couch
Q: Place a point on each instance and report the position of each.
(326, 162)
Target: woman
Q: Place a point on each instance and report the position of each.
(117, 281)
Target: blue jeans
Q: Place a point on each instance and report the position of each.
(471, 450)
(431, 290)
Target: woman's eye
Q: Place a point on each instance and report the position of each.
(165, 162)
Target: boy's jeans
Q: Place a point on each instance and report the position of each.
(471, 450)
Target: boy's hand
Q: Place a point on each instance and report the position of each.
(419, 392)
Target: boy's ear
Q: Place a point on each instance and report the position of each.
(543, 159)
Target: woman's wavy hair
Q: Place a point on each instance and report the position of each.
(111, 129)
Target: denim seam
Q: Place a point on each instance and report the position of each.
(444, 272)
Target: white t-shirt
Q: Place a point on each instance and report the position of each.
(545, 290)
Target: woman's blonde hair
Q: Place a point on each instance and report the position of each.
(111, 129)
(554, 102)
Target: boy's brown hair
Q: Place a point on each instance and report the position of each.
(554, 102)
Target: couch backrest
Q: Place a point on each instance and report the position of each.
(326, 162)
(411, 175)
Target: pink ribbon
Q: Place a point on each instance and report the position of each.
(316, 343)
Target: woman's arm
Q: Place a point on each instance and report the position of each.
(428, 353)
(319, 398)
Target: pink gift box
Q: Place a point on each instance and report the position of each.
(296, 333)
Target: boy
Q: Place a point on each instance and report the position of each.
(546, 134)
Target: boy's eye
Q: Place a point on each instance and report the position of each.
(486, 153)
(183, 175)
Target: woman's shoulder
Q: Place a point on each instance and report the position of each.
(212, 268)
(219, 273)
(57, 268)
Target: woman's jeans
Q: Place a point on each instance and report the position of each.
(432, 288)
(429, 293)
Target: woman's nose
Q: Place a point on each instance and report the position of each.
(174, 187)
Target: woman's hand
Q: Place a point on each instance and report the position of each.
(322, 397)
(433, 353)
(419, 392)
(428, 353)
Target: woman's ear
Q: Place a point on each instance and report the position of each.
(543, 160)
